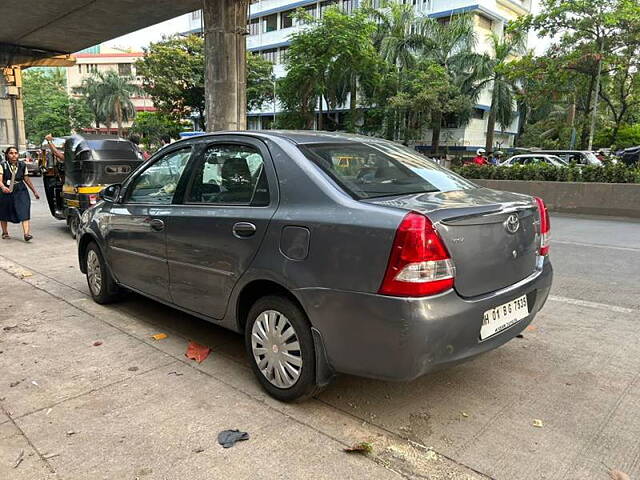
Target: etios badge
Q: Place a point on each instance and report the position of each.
(512, 224)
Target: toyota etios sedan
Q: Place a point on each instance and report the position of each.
(331, 253)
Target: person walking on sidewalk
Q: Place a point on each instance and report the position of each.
(15, 203)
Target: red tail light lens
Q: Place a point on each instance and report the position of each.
(419, 264)
(545, 227)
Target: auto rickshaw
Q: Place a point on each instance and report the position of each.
(91, 163)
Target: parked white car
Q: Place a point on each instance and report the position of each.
(534, 158)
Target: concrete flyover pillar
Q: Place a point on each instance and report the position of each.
(225, 30)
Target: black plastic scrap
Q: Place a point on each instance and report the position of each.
(228, 438)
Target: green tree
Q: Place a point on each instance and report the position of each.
(590, 33)
(326, 63)
(115, 103)
(173, 72)
(505, 48)
(451, 45)
(151, 126)
(260, 81)
(48, 107)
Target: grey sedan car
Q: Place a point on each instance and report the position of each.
(331, 253)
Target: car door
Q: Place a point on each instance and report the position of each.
(136, 242)
(215, 234)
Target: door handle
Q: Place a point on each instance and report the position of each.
(244, 229)
(156, 224)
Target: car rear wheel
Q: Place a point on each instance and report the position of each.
(73, 222)
(281, 350)
(101, 284)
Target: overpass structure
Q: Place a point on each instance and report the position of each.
(45, 32)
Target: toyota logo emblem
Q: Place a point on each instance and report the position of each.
(512, 224)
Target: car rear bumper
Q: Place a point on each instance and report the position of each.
(394, 338)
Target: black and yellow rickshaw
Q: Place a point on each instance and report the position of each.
(91, 163)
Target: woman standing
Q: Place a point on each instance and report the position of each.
(15, 203)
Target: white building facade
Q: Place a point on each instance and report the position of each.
(271, 26)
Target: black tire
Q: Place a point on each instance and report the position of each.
(305, 386)
(73, 222)
(108, 291)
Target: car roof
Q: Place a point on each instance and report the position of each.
(295, 136)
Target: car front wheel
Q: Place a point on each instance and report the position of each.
(281, 350)
(101, 284)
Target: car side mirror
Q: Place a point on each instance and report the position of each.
(110, 193)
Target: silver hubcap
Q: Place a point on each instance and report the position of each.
(94, 273)
(276, 349)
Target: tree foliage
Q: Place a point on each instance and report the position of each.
(152, 126)
(173, 72)
(48, 108)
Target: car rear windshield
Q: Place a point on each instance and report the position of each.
(382, 169)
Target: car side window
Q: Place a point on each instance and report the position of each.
(229, 174)
(158, 183)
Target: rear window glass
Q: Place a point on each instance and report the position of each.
(382, 169)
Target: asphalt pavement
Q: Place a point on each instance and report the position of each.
(559, 403)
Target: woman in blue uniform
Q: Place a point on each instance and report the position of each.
(15, 203)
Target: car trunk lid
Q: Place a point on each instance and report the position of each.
(492, 236)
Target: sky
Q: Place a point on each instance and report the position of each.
(140, 39)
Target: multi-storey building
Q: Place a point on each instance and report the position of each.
(271, 25)
(103, 59)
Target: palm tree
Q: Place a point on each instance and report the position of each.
(397, 39)
(451, 45)
(505, 48)
(115, 98)
(109, 98)
(91, 91)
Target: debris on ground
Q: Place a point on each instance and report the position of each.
(465, 414)
(531, 328)
(362, 447)
(159, 336)
(97, 343)
(50, 455)
(19, 459)
(9, 327)
(35, 383)
(133, 369)
(198, 450)
(618, 475)
(537, 423)
(48, 412)
(520, 336)
(175, 373)
(14, 384)
(197, 352)
(228, 438)
(431, 455)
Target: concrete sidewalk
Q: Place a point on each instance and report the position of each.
(133, 407)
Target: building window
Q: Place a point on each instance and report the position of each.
(270, 23)
(485, 22)
(326, 4)
(286, 19)
(196, 15)
(79, 68)
(270, 54)
(450, 121)
(310, 10)
(282, 54)
(347, 6)
(478, 114)
(254, 26)
(124, 69)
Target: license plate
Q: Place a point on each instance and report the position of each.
(500, 318)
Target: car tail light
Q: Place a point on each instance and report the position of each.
(419, 264)
(545, 227)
